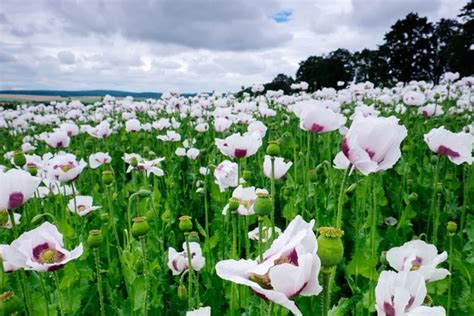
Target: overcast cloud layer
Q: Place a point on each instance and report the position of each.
(194, 45)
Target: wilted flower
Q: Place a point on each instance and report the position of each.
(82, 205)
(289, 268)
(40, 249)
(226, 175)
(372, 144)
(16, 187)
(457, 146)
(178, 261)
(239, 146)
(281, 167)
(420, 256)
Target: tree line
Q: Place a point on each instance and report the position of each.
(413, 49)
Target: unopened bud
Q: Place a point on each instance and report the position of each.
(182, 292)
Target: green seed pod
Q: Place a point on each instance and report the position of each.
(263, 204)
(151, 154)
(330, 246)
(108, 177)
(233, 204)
(3, 217)
(193, 236)
(10, 303)
(19, 158)
(104, 217)
(452, 227)
(33, 170)
(434, 159)
(182, 292)
(134, 162)
(140, 227)
(95, 238)
(273, 149)
(185, 223)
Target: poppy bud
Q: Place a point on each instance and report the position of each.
(437, 96)
(134, 162)
(413, 196)
(351, 188)
(3, 217)
(452, 227)
(263, 204)
(10, 303)
(140, 227)
(330, 246)
(107, 177)
(19, 158)
(185, 223)
(143, 193)
(182, 292)
(233, 204)
(273, 149)
(33, 170)
(95, 238)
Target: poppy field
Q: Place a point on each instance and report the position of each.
(355, 201)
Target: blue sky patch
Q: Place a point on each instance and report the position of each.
(282, 16)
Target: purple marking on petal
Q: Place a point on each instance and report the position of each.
(371, 153)
(293, 257)
(299, 291)
(175, 265)
(345, 147)
(59, 144)
(260, 295)
(38, 250)
(417, 262)
(443, 150)
(388, 309)
(240, 153)
(55, 267)
(410, 303)
(15, 200)
(317, 128)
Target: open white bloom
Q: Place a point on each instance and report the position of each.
(203, 311)
(133, 125)
(372, 144)
(64, 167)
(427, 311)
(413, 98)
(239, 146)
(321, 119)
(58, 139)
(401, 294)
(40, 249)
(281, 167)
(430, 110)
(221, 124)
(420, 256)
(82, 206)
(16, 187)
(98, 159)
(225, 175)
(289, 268)
(178, 261)
(341, 161)
(457, 146)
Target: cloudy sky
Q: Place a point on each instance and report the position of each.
(192, 45)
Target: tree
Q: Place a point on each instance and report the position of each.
(409, 49)
(280, 82)
(320, 71)
(370, 65)
(442, 39)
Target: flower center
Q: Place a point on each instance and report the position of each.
(81, 208)
(48, 256)
(43, 253)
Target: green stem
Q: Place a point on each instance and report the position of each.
(373, 232)
(450, 263)
(145, 272)
(326, 297)
(58, 292)
(273, 197)
(99, 281)
(190, 274)
(260, 229)
(340, 200)
(45, 293)
(433, 193)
